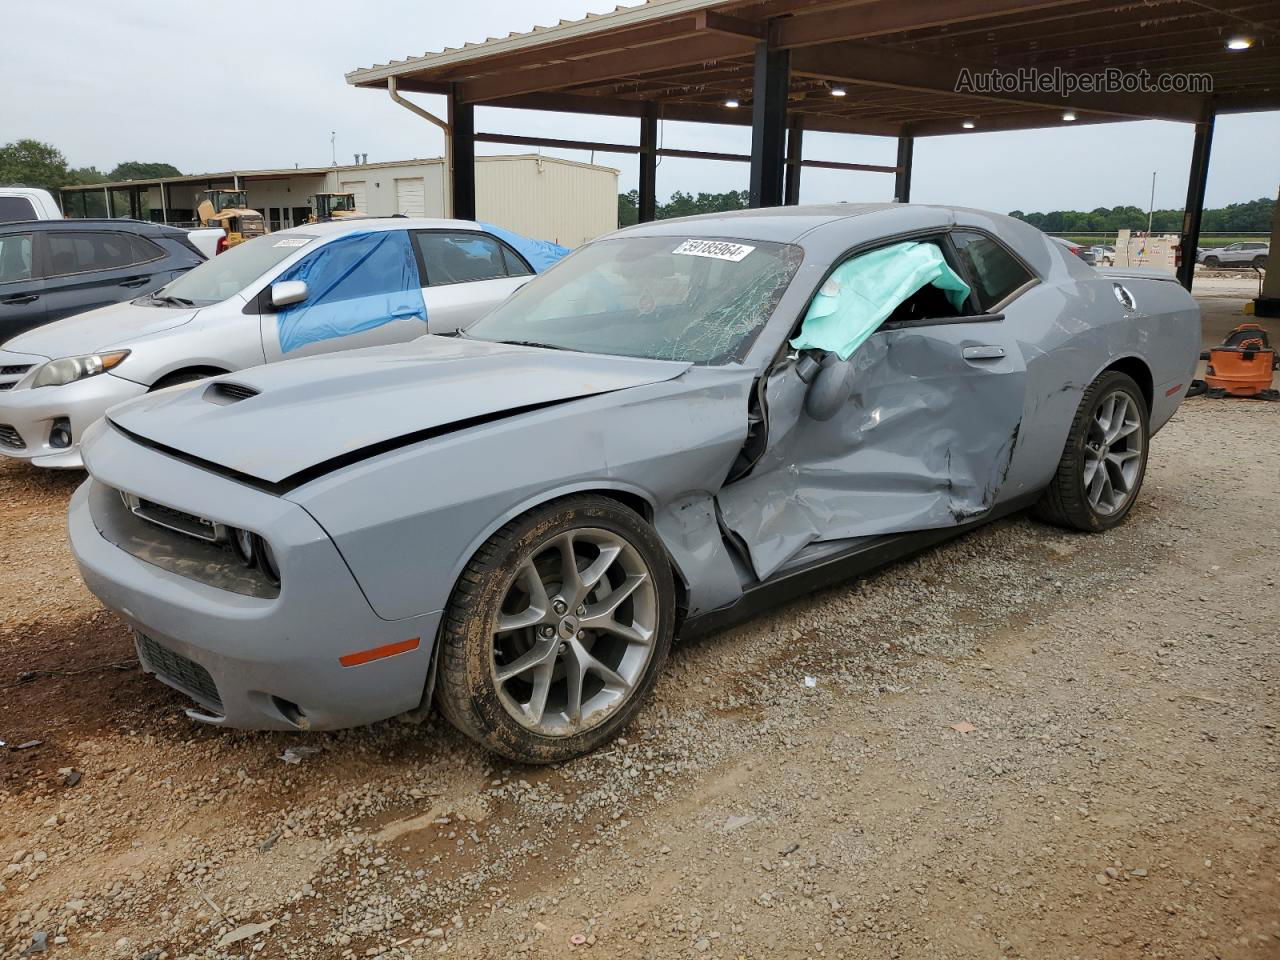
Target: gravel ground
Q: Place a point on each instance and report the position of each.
(1026, 743)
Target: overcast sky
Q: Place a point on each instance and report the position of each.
(241, 85)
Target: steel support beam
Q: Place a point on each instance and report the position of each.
(902, 182)
(1194, 210)
(648, 207)
(769, 125)
(795, 154)
(462, 130)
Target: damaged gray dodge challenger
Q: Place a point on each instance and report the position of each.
(679, 424)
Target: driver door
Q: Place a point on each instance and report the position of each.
(924, 440)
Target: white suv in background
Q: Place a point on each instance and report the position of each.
(27, 203)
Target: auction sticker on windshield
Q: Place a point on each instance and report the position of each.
(719, 249)
(292, 242)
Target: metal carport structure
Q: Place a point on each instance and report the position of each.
(887, 68)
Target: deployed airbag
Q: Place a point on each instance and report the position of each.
(355, 283)
(862, 293)
(541, 254)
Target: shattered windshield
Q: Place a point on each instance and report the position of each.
(698, 300)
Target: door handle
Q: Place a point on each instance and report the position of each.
(14, 301)
(989, 352)
(135, 282)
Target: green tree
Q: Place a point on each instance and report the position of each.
(136, 170)
(629, 208)
(30, 163)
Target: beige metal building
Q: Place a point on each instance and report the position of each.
(547, 198)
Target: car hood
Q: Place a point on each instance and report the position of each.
(98, 330)
(318, 413)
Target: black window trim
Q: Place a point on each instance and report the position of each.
(424, 274)
(34, 276)
(80, 273)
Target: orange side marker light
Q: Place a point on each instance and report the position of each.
(379, 653)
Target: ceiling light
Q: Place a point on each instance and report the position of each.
(732, 104)
(1069, 116)
(968, 124)
(838, 91)
(1240, 43)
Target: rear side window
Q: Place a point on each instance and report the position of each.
(995, 271)
(144, 250)
(88, 252)
(15, 257)
(16, 208)
(462, 257)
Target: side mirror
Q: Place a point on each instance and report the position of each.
(830, 388)
(290, 291)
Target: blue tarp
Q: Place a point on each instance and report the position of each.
(355, 283)
(541, 254)
(862, 293)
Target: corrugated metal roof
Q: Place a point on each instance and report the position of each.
(620, 16)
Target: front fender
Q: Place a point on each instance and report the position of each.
(408, 521)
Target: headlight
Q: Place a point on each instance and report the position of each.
(70, 369)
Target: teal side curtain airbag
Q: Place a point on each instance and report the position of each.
(862, 293)
(354, 284)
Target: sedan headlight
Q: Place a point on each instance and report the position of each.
(55, 373)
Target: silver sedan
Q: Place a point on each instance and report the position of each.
(678, 425)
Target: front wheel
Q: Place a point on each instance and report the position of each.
(1211, 263)
(557, 630)
(1105, 459)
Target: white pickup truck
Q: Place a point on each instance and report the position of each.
(33, 203)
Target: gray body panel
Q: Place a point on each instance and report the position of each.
(450, 439)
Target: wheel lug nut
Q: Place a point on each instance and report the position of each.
(582, 609)
(582, 635)
(548, 631)
(564, 647)
(560, 606)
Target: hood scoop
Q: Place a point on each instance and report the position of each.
(285, 423)
(223, 392)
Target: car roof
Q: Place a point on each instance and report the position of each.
(337, 228)
(121, 225)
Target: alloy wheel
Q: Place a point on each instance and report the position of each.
(574, 632)
(1113, 453)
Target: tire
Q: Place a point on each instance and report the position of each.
(1211, 263)
(1077, 497)
(493, 626)
(1259, 262)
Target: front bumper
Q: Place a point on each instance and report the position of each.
(27, 417)
(249, 662)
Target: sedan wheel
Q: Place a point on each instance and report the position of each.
(1105, 459)
(557, 630)
(1113, 453)
(575, 632)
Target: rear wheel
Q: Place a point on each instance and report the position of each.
(557, 630)
(1260, 261)
(1105, 459)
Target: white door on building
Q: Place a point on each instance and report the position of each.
(356, 188)
(411, 197)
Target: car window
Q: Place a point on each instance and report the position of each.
(143, 250)
(459, 257)
(230, 272)
(995, 271)
(516, 267)
(699, 300)
(71, 253)
(16, 208)
(15, 257)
